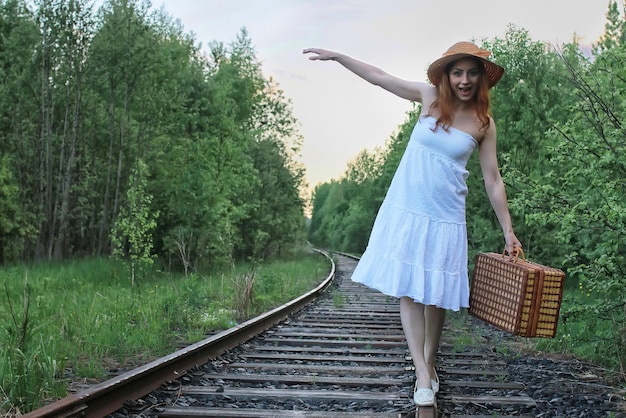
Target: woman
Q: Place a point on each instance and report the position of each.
(417, 249)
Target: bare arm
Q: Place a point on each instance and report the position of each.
(409, 90)
(494, 185)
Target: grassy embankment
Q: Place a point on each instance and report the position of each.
(77, 320)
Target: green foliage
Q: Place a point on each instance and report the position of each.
(86, 94)
(614, 30)
(277, 217)
(28, 370)
(583, 195)
(18, 37)
(590, 331)
(132, 233)
(26, 380)
(14, 227)
(238, 196)
(570, 190)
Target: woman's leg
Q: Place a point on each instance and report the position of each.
(434, 319)
(414, 325)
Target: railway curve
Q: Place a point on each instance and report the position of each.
(339, 351)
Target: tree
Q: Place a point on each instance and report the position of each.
(19, 36)
(132, 232)
(69, 37)
(14, 225)
(213, 204)
(318, 202)
(614, 30)
(276, 217)
(122, 61)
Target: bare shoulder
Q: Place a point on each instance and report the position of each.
(491, 129)
(489, 135)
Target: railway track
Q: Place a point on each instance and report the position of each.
(343, 355)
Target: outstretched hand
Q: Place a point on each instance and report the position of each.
(320, 54)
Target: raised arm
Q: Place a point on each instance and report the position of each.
(494, 185)
(410, 90)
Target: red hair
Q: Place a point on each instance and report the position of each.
(445, 100)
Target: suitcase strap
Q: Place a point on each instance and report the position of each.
(533, 319)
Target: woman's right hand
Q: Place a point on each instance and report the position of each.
(320, 54)
(406, 89)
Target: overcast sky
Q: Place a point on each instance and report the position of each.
(340, 114)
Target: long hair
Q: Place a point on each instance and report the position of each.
(445, 100)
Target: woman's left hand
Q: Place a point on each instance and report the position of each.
(511, 243)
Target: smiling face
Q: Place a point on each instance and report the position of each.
(464, 76)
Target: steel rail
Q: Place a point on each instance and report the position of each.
(110, 395)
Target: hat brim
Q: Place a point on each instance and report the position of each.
(436, 69)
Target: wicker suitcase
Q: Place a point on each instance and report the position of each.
(516, 295)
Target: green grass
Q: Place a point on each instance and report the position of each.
(339, 300)
(61, 321)
(588, 331)
(463, 337)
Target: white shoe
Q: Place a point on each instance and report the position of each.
(423, 397)
(434, 383)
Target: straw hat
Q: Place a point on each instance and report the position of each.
(460, 50)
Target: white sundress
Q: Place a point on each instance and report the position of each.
(418, 244)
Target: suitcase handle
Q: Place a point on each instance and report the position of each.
(517, 250)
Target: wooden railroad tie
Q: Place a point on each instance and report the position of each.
(426, 411)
